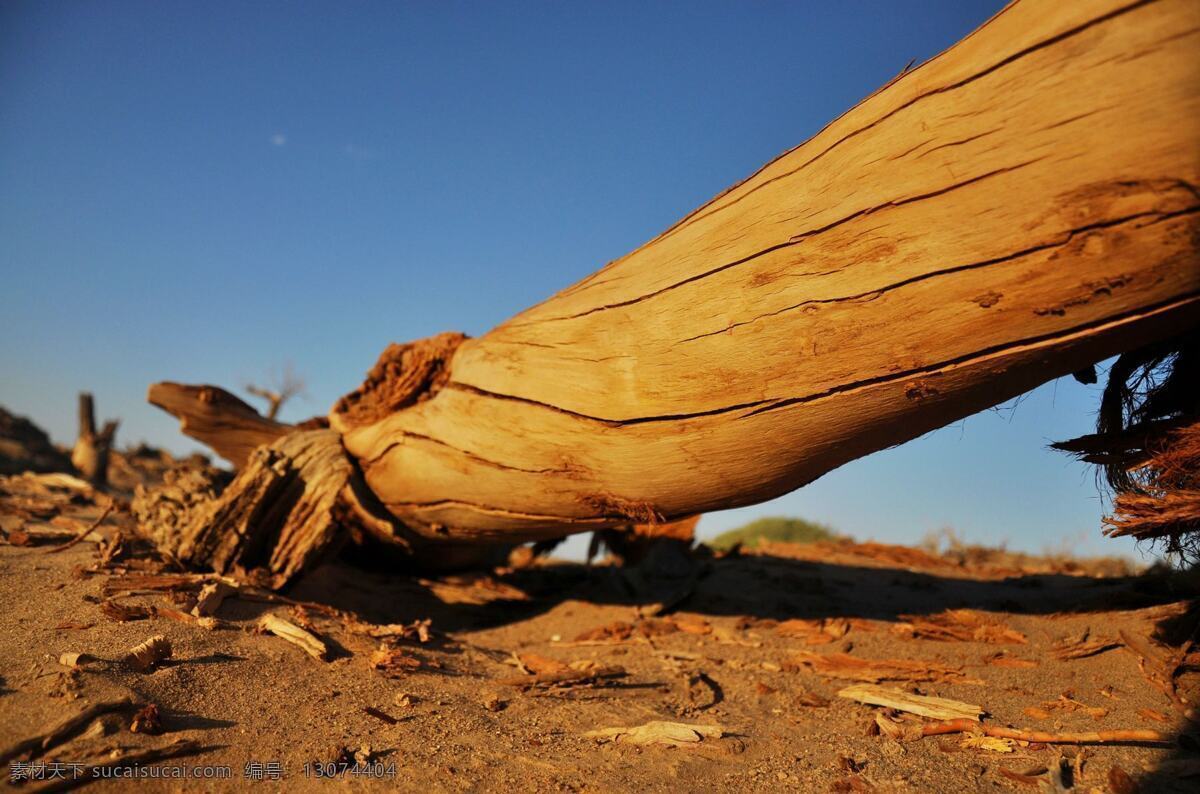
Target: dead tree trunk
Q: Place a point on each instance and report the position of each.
(91, 451)
(1017, 208)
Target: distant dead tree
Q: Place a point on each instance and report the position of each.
(90, 454)
(279, 391)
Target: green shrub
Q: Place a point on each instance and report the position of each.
(775, 529)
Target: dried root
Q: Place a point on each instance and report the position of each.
(1147, 442)
(1166, 507)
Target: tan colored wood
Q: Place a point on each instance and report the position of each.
(286, 630)
(1014, 210)
(1017, 208)
(217, 418)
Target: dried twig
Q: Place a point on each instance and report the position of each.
(149, 583)
(561, 674)
(266, 597)
(919, 730)
(1032, 778)
(37, 535)
(843, 665)
(126, 757)
(83, 533)
(282, 389)
(379, 714)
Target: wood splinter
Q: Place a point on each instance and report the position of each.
(907, 733)
(211, 596)
(286, 630)
(673, 734)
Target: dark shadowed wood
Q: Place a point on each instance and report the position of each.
(277, 514)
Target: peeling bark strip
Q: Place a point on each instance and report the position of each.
(1015, 209)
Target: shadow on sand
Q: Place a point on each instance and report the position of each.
(760, 586)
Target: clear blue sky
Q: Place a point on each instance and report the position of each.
(205, 191)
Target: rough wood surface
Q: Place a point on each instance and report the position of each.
(278, 513)
(925, 705)
(217, 418)
(1015, 209)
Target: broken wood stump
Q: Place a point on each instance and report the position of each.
(92, 447)
(277, 513)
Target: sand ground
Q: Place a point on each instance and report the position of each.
(735, 648)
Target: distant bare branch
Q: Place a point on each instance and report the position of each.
(279, 390)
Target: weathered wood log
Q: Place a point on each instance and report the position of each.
(1019, 207)
(1014, 210)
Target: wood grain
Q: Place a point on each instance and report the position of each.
(1019, 207)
